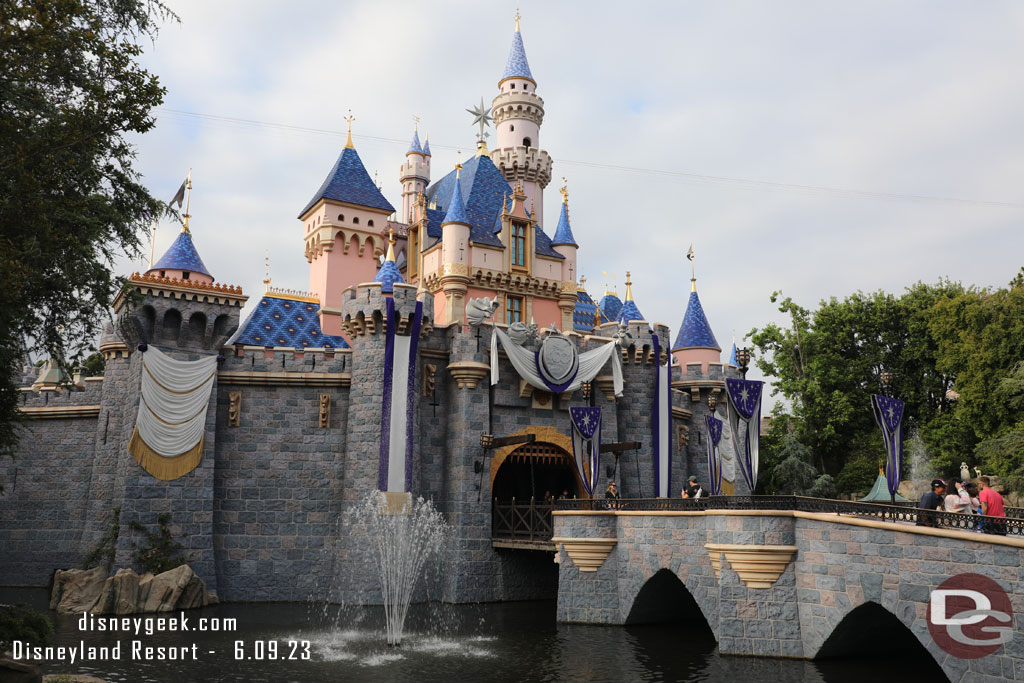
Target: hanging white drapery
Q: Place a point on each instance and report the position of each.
(175, 394)
(525, 363)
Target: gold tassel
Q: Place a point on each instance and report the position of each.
(165, 469)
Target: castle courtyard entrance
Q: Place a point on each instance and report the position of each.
(534, 470)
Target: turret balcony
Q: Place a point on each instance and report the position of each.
(521, 105)
(523, 163)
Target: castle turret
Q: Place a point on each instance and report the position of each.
(342, 231)
(414, 175)
(610, 305)
(518, 113)
(455, 229)
(389, 274)
(565, 244)
(695, 342)
(629, 311)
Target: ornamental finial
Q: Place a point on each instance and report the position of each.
(693, 270)
(517, 20)
(266, 277)
(349, 119)
(629, 288)
(391, 245)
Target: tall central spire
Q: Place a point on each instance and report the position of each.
(517, 65)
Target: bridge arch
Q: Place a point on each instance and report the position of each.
(871, 630)
(665, 598)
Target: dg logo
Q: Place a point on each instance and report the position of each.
(970, 616)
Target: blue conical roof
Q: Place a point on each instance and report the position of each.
(182, 255)
(426, 147)
(695, 332)
(456, 209)
(349, 182)
(388, 275)
(880, 492)
(630, 312)
(732, 356)
(563, 233)
(517, 66)
(610, 306)
(414, 146)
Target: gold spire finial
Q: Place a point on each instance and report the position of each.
(693, 269)
(629, 288)
(481, 148)
(517, 20)
(349, 119)
(565, 190)
(266, 277)
(583, 282)
(188, 203)
(415, 123)
(391, 245)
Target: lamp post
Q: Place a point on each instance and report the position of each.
(886, 378)
(743, 358)
(712, 402)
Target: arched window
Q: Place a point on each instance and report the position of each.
(527, 143)
(341, 216)
(511, 128)
(356, 220)
(369, 223)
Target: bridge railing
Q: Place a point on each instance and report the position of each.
(1006, 526)
(522, 521)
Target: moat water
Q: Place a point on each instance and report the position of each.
(490, 643)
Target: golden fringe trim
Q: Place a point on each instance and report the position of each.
(165, 469)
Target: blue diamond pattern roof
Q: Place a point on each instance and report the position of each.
(349, 182)
(286, 322)
(517, 66)
(583, 314)
(483, 188)
(695, 331)
(563, 233)
(630, 312)
(388, 275)
(611, 306)
(415, 145)
(456, 207)
(543, 246)
(182, 255)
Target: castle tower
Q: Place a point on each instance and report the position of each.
(565, 244)
(389, 274)
(342, 226)
(695, 342)
(610, 305)
(518, 113)
(455, 231)
(629, 310)
(414, 175)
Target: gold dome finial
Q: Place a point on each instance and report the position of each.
(391, 245)
(629, 288)
(517, 20)
(266, 277)
(349, 119)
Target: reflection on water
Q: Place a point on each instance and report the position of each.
(492, 643)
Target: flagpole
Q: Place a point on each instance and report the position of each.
(152, 244)
(188, 202)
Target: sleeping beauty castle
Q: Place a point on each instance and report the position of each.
(445, 348)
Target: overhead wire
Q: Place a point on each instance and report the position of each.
(224, 122)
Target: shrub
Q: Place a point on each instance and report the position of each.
(161, 551)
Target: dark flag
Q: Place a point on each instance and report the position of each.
(179, 196)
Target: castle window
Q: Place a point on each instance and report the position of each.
(513, 309)
(513, 86)
(511, 128)
(518, 245)
(356, 220)
(527, 142)
(163, 273)
(341, 216)
(369, 223)
(185, 274)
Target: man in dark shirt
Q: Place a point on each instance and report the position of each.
(693, 488)
(931, 501)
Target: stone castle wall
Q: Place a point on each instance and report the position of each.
(263, 517)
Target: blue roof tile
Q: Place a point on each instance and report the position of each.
(286, 322)
(483, 189)
(388, 275)
(456, 207)
(611, 306)
(349, 182)
(543, 246)
(182, 255)
(563, 233)
(630, 312)
(584, 313)
(695, 332)
(415, 146)
(732, 356)
(517, 66)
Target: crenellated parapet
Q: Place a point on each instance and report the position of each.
(364, 309)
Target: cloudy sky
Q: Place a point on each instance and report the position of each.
(811, 147)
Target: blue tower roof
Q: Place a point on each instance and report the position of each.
(182, 255)
(586, 313)
(563, 233)
(732, 356)
(695, 332)
(414, 146)
(426, 147)
(517, 66)
(349, 182)
(456, 208)
(293, 323)
(630, 312)
(610, 306)
(388, 275)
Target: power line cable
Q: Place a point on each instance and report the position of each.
(745, 183)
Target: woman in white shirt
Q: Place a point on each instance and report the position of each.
(959, 501)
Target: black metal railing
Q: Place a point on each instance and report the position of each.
(522, 521)
(1009, 526)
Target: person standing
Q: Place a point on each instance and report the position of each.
(611, 496)
(693, 488)
(991, 506)
(931, 501)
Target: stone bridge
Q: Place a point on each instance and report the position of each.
(783, 583)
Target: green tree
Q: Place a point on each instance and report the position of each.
(71, 91)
